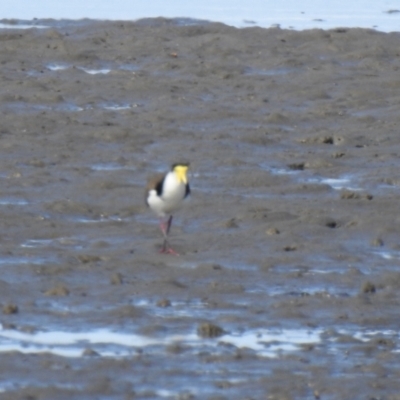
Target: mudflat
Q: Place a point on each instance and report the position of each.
(288, 281)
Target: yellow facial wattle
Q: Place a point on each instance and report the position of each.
(181, 172)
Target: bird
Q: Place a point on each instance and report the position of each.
(165, 194)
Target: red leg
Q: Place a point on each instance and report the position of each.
(165, 227)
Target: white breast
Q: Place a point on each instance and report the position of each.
(172, 196)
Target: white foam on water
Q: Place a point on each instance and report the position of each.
(175, 394)
(13, 202)
(284, 291)
(332, 269)
(106, 343)
(72, 344)
(367, 335)
(279, 170)
(349, 182)
(165, 393)
(101, 219)
(35, 243)
(190, 309)
(94, 71)
(117, 107)
(63, 338)
(283, 171)
(11, 385)
(18, 260)
(73, 242)
(101, 71)
(322, 271)
(70, 107)
(57, 67)
(339, 183)
(388, 255)
(336, 183)
(21, 26)
(385, 254)
(142, 303)
(269, 343)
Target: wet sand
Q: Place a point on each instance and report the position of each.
(287, 286)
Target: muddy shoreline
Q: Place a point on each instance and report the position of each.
(289, 243)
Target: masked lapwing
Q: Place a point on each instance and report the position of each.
(165, 194)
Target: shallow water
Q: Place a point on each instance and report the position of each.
(117, 344)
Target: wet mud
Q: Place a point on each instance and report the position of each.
(287, 284)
